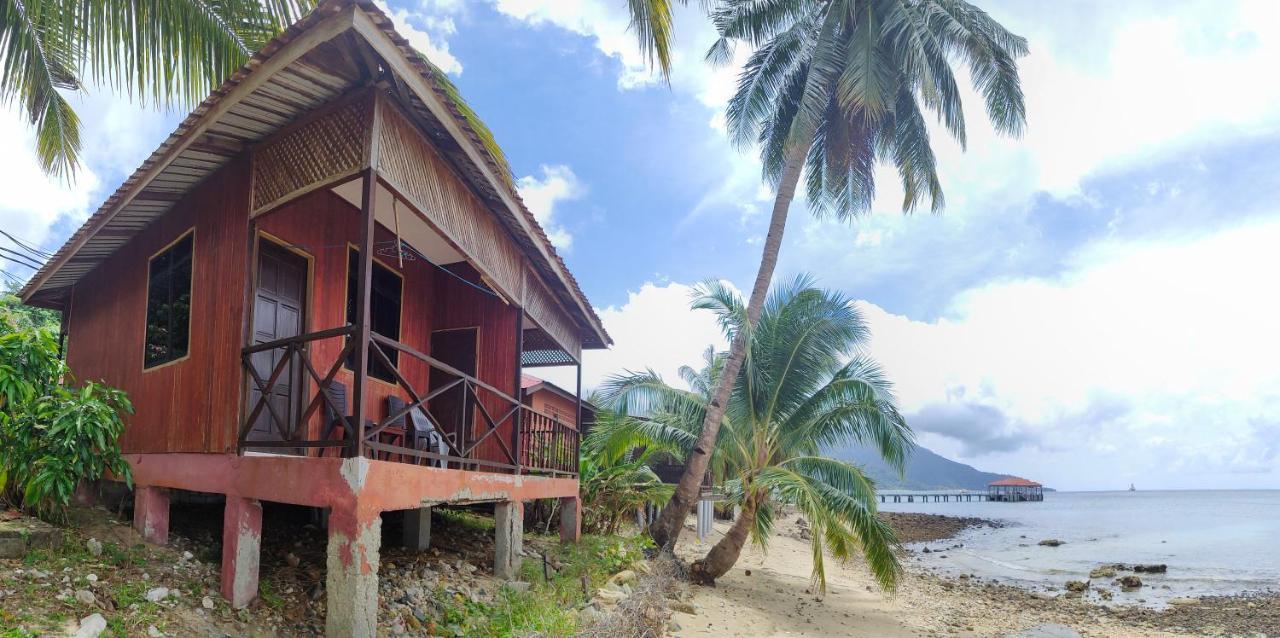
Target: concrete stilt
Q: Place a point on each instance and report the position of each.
(241, 550)
(351, 578)
(417, 529)
(151, 514)
(508, 518)
(570, 519)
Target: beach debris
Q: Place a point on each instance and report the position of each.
(1184, 601)
(684, 607)
(1151, 569)
(1129, 582)
(623, 577)
(1106, 571)
(1051, 542)
(1077, 586)
(91, 626)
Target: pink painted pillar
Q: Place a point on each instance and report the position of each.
(570, 519)
(351, 573)
(241, 549)
(151, 514)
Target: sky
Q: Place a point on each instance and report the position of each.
(1096, 306)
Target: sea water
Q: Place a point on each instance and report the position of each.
(1214, 542)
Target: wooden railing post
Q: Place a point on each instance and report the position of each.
(517, 390)
(364, 276)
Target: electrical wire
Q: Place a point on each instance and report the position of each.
(18, 258)
(27, 245)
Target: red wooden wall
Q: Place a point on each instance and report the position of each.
(193, 405)
(555, 405)
(322, 225)
(190, 405)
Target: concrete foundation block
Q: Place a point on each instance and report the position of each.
(508, 519)
(571, 519)
(151, 514)
(351, 577)
(241, 550)
(417, 529)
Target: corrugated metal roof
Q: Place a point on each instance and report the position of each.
(217, 130)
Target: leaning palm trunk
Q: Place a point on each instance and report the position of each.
(725, 553)
(666, 530)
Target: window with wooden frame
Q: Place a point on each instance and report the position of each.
(168, 333)
(385, 294)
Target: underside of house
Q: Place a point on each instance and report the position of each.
(323, 290)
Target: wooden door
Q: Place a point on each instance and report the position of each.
(454, 409)
(278, 313)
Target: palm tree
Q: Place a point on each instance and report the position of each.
(616, 479)
(833, 88)
(171, 52)
(805, 387)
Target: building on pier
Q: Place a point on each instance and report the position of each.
(1014, 489)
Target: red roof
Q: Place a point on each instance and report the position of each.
(1014, 481)
(528, 381)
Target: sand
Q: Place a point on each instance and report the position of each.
(770, 595)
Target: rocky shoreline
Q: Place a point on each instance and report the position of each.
(1084, 604)
(913, 527)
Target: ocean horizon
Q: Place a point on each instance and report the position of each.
(1213, 542)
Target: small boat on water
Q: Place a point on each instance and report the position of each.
(1132, 488)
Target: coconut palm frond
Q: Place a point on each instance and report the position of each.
(645, 393)
(654, 24)
(39, 58)
(857, 404)
(841, 522)
(482, 131)
(616, 436)
(716, 295)
(849, 80)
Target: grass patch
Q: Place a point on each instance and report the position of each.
(267, 592)
(550, 606)
(457, 518)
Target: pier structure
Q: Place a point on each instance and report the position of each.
(931, 496)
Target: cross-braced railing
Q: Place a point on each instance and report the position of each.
(516, 438)
(548, 444)
(291, 427)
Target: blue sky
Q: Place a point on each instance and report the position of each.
(1094, 307)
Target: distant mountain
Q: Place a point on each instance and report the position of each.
(925, 470)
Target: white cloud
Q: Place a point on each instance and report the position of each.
(1173, 342)
(427, 27)
(558, 183)
(32, 202)
(604, 21)
(655, 329)
(1107, 89)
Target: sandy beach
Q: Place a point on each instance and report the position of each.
(770, 594)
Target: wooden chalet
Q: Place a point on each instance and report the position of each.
(322, 290)
(558, 404)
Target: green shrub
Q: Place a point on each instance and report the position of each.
(52, 434)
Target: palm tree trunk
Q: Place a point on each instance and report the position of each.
(726, 552)
(666, 530)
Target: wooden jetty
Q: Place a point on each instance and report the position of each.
(931, 496)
